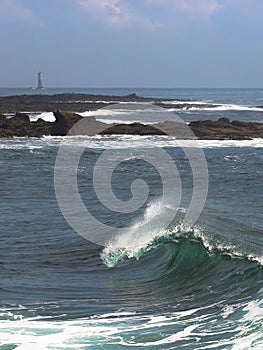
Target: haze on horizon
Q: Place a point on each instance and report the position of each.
(131, 43)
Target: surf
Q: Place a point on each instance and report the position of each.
(147, 234)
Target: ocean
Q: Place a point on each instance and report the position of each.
(134, 242)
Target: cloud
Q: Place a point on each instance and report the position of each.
(149, 12)
(204, 7)
(114, 12)
(13, 11)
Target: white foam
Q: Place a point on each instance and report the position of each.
(114, 328)
(101, 112)
(115, 102)
(188, 102)
(142, 114)
(254, 143)
(98, 330)
(227, 107)
(121, 121)
(208, 106)
(248, 337)
(139, 236)
(121, 141)
(46, 116)
(184, 334)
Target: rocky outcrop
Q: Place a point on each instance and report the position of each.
(49, 103)
(20, 126)
(67, 124)
(132, 129)
(68, 102)
(225, 129)
(73, 124)
(78, 103)
(64, 122)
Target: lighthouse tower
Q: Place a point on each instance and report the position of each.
(39, 81)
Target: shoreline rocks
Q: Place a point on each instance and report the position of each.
(68, 102)
(20, 126)
(66, 123)
(77, 103)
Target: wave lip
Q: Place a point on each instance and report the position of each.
(145, 235)
(139, 238)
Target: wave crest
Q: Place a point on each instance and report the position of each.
(146, 235)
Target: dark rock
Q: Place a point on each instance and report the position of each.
(88, 126)
(22, 117)
(21, 126)
(72, 102)
(133, 129)
(178, 129)
(70, 123)
(224, 129)
(73, 124)
(224, 120)
(237, 123)
(69, 102)
(63, 123)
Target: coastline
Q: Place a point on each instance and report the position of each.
(15, 121)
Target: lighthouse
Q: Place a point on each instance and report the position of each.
(39, 81)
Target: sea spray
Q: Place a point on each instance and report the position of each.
(145, 235)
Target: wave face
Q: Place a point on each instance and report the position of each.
(190, 245)
(204, 286)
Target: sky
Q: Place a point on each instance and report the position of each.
(131, 43)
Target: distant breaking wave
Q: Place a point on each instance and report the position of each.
(150, 115)
(123, 141)
(230, 108)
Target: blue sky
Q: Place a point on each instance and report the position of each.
(132, 43)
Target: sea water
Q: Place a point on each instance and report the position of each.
(182, 287)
